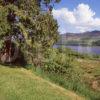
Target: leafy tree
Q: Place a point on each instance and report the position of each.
(39, 29)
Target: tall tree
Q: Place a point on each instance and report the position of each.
(25, 19)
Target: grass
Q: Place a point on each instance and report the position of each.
(21, 84)
(78, 78)
(82, 77)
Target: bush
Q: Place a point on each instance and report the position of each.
(56, 61)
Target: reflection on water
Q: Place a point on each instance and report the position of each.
(84, 49)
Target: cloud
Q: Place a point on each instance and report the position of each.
(81, 19)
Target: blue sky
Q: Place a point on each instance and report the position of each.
(71, 4)
(77, 15)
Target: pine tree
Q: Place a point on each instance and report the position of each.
(32, 30)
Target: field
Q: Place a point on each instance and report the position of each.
(21, 84)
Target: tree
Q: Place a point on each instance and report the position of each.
(24, 17)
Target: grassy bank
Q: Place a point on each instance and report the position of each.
(81, 73)
(78, 80)
(21, 84)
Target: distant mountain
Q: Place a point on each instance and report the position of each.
(85, 38)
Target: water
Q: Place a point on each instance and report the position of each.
(84, 49)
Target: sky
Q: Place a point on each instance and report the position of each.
(77, 16)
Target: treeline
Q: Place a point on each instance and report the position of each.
(79, 43)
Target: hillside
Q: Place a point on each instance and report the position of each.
(85, 38)
(21, 84)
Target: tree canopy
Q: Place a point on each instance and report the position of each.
(39, 29)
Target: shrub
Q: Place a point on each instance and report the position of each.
(56, 61)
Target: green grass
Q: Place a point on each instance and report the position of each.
(21, 84)
(78, 78)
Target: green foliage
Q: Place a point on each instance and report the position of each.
(56, 61)
(4, 25)
(44, 29)
(72, 79)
